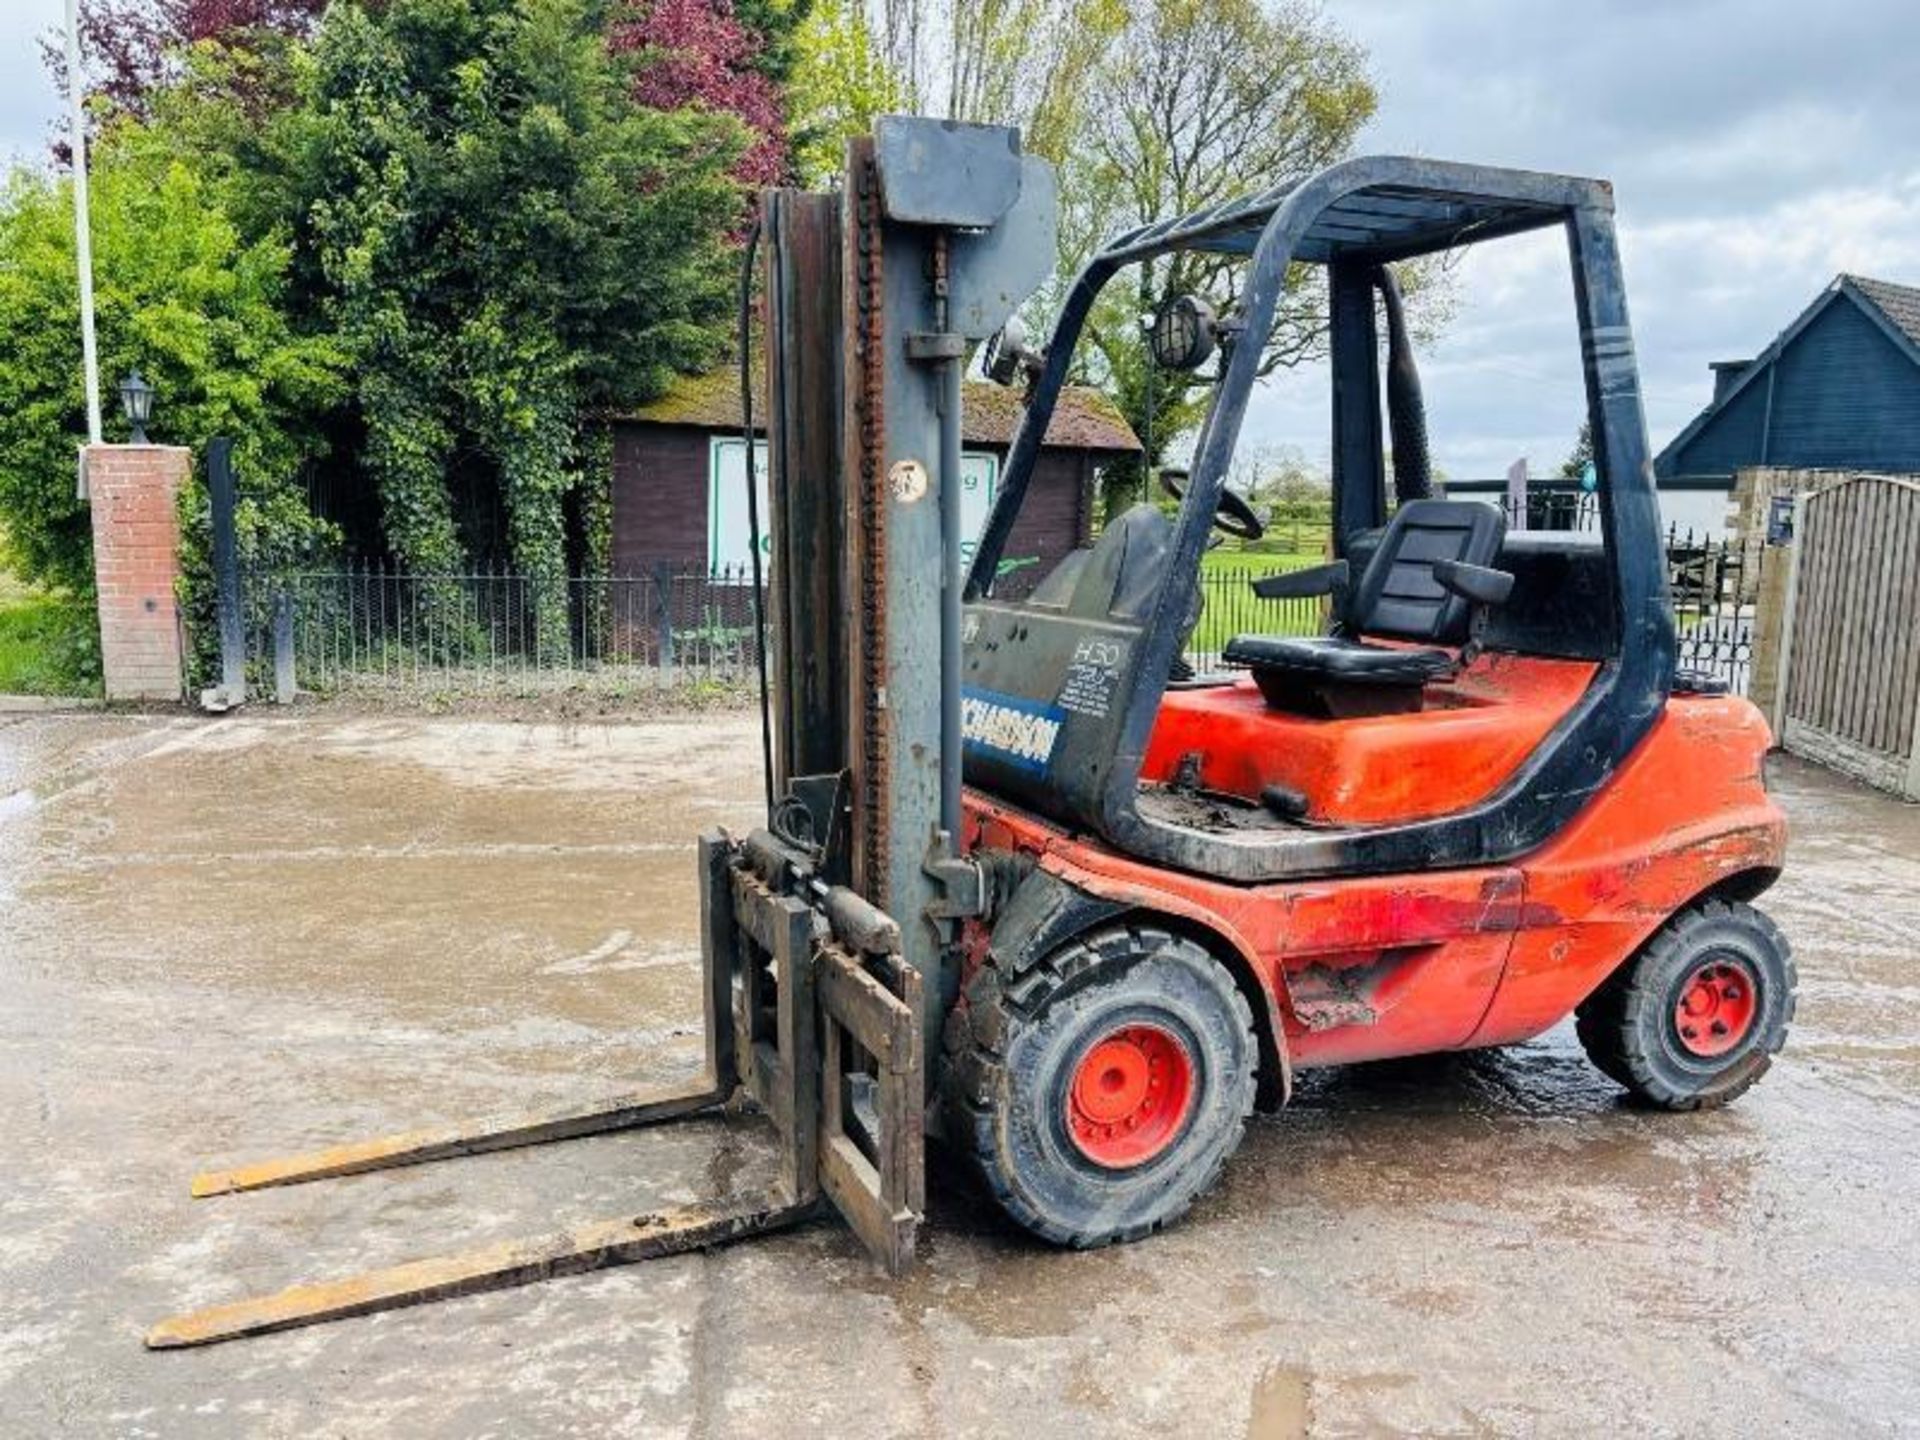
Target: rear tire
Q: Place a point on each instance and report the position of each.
(1698, 1015)
(1100, 1092)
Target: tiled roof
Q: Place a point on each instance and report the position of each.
(1899, 303)
(1084, 419)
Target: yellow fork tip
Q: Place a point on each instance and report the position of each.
(217, 1183)
(166, 1336)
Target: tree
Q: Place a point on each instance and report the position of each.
(1276, 474)
(840, 82)
(182, 294)
(1576, 463)
(1293, 495)
(777, 24)
(696, 53)
(1004, 62)
(1030, 63)
(1200, 101)
(134, 48)
(506, 244)
(1148, 109)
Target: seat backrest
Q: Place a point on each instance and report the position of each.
(1397, 595)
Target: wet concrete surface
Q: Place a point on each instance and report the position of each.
(222, 940)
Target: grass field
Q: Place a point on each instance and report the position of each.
(1254, 562)
(1285, 546)
(1226, 576)
(49, 644)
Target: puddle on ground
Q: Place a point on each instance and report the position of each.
(1281, 1407)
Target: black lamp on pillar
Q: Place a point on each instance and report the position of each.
(136, 399)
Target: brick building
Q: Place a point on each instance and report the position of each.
(679, 494)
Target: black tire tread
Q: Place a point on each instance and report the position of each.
(1612, 1024)
(975, 1044)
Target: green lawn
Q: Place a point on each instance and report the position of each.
(1226, 576)
(49, 644)
(1253, 563)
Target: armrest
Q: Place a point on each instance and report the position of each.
(1303, 584)
(1475, 583)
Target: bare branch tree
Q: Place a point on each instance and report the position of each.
(1197, 102)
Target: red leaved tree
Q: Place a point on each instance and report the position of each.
(128, 45)
(695, 52)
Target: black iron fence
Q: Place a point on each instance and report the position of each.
(1713, 585)
(372, 626)
(1229, 608)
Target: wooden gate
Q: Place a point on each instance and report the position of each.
(1850, 671)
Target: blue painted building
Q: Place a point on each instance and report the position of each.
(1838, 389)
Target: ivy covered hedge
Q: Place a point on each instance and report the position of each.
(419, 242)
(188, 298)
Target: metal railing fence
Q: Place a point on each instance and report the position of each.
(1713, 585)
(375, 626)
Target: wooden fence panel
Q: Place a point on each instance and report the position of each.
(1850, 675)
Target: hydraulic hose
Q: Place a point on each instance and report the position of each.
(1406, 406)
(747, 254)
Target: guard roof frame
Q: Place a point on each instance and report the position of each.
(1410, 207)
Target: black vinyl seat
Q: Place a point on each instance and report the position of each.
(1338, 658)
(1398, 597)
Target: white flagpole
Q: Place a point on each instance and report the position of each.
(82, 230)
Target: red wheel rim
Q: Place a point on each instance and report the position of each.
(1130, 1096)
(1715, 1008)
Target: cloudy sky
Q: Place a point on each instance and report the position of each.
(1758, 148)
(27, 101)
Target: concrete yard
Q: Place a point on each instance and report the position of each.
(222, 940)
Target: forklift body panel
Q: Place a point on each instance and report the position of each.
(1373, 967)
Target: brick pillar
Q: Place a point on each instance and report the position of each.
(136, 560)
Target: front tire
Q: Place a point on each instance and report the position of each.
(1100, 1092)
(1693, 1020)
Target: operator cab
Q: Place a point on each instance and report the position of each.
(1472, 687)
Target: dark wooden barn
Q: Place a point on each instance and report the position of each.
(1839, 388)
(679, 494)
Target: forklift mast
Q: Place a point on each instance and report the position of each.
(820, 1005)
(874, 298)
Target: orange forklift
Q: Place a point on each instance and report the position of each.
(1029, 885)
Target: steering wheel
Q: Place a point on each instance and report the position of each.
(1232, 515)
